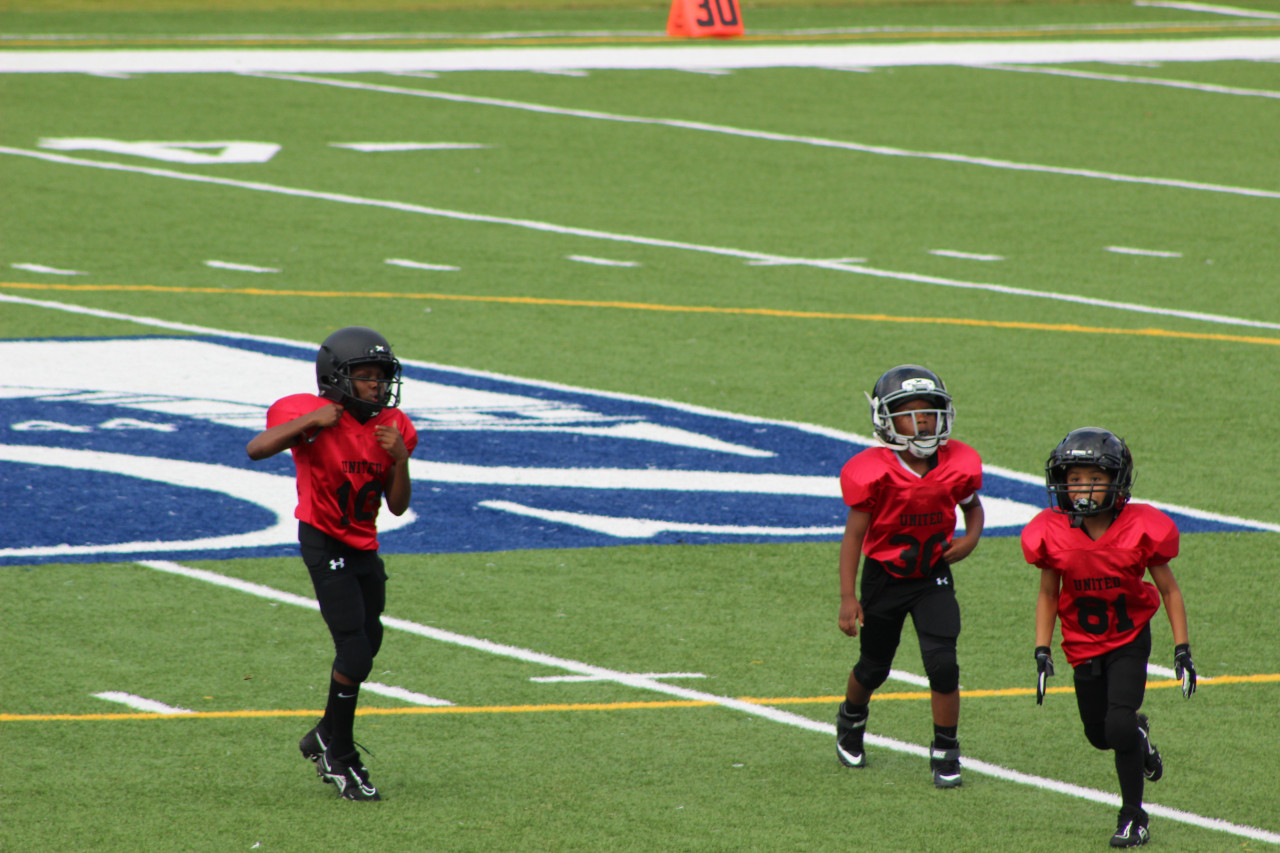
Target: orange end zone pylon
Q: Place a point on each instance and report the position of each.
(697, 18)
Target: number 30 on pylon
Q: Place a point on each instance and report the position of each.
(695, 18)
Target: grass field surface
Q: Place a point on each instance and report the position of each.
(1067, 210)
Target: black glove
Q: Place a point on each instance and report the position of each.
(1044, 666)
(1183, 668)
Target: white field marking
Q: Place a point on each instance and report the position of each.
(789, 262)
(713, 72)
(227, 265)
(427, 75)
(1148, 81)
(677, 57)
(191, 153)
(966, 256)
(1164, 671)
(378, 147)
(41, 268)
(417, 265)
(908, 678)
(562, 72)
(779, 137)
(816, 429)
(403, 695)
(853, 69)
(1149, 253)
(643, 241)
(646, 528)
(358, 38)
(601, 262)
(777, 715)
(1206, 7)
(150, 706)
(576, 679)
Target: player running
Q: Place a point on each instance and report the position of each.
(1093, 548)
(351, 446)
(902, 500)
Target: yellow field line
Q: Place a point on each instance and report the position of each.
(589, 706)
(648, 306)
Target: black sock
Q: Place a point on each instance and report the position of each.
(854, 712)
(1132, 781)
(944, 737)
(340, 716)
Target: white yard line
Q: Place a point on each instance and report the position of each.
(1231, 11)
(816, 141)
(1148, 253)
(595, 234)
(227, 265)
(643, 682)
(403, 695)
(1148, 81)
(138, 703)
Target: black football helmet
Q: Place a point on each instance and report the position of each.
(1089, 446)
(347, 349)
(899, 385)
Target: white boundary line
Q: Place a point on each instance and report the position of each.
(666, 56)
(594, 234)
(643, 682)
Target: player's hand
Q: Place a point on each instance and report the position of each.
(390, 440)
(850, 616)
(327, 416)
(1044, 669)
(960, 547)
(1183, 668)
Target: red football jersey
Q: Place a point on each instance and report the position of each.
(342, 472)
(1104, 601)
(912, 518)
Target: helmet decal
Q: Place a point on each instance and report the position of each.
(344, 351)
(901, 385)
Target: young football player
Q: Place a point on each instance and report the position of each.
(902, 500)
(1093, 548)
(351, 447)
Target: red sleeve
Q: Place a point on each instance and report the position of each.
(859, 481)
(1161, 535)
(1034, 548)
(294, 406)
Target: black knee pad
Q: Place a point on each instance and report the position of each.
(869, 674)
(1122, 729)
(354, 657)
(1096, 734)
(941, 667)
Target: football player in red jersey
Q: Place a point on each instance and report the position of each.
(902, 500)
(351, 447)
(1093, 549)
